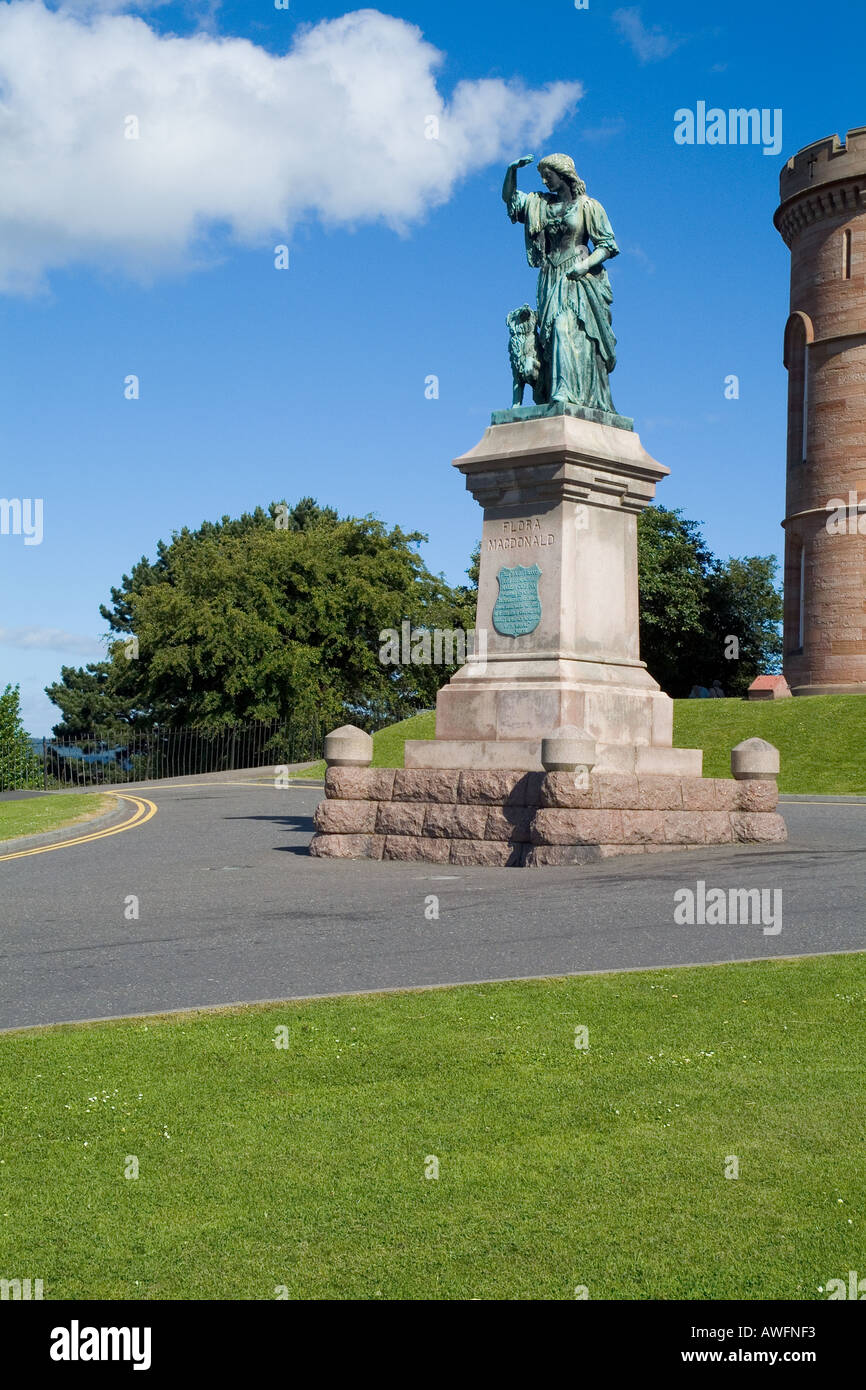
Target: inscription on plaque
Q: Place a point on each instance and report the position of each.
(517, 610)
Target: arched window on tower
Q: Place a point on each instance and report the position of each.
(798, 335)
(846, 254)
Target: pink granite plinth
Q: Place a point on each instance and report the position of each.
(531, 819)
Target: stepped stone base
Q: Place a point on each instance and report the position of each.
(524, 755)
(514, 818)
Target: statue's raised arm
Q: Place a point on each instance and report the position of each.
(509, 187)
(513, 199)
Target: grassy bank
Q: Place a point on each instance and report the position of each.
(39, 814)
(306, 1168)
(822, 739)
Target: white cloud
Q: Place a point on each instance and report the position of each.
(52, 639)
(649, 45)
(232, 137)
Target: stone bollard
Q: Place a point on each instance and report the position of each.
(568, 749)
(348, 747)
(755, 760)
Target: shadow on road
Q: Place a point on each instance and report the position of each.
(301, 825)
(291, 822)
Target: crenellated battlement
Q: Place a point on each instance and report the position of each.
(824, 161)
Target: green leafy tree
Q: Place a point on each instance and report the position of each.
(20, 765)
(97, 699)
(672, 567)
(744, 611)
(277, 614)
(692, 604)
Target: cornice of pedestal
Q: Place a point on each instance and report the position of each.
(561, 458)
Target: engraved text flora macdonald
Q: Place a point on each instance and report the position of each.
(521, 535)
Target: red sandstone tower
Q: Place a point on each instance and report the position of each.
(822, 218)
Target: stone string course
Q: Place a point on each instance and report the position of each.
(531, 819)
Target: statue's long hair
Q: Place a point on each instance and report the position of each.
(563, 164)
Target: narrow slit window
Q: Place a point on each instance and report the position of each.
(804, 427)
(846, 254)
(801, 595)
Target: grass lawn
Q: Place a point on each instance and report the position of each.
(822, 738)
(42, 813)
(558, 1167)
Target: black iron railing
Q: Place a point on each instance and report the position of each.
(143, 754)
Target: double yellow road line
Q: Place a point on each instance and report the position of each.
(143, 810)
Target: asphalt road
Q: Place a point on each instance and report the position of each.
(231, 908)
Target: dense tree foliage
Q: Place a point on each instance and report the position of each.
(93, 700)
(20, 765)
(702, 619)
(277, 614)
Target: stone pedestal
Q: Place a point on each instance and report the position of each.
(558, 605)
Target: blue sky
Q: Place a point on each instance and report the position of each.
(258, 384)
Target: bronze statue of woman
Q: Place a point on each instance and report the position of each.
(578, 349)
